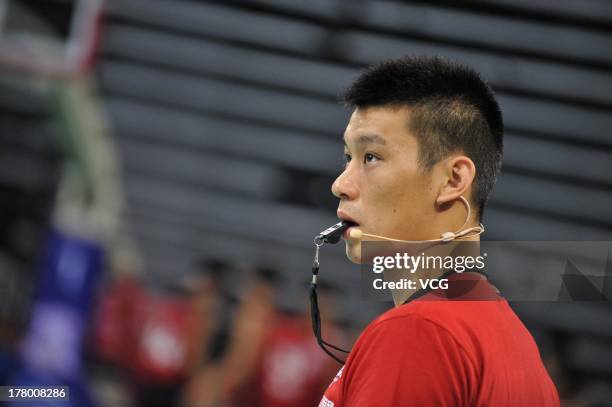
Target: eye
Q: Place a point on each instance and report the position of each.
(369, 157)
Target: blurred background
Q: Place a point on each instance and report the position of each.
(164, 166)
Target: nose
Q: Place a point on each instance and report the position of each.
(344, 187)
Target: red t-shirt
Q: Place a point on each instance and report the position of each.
(293, 371)
(471, 351)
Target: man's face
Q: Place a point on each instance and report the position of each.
(382, 188)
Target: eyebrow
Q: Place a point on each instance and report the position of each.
(365, 139)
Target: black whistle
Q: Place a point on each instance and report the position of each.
(333, 233)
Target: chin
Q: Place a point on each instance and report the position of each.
(353, 251)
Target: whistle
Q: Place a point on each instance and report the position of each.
(333, 233)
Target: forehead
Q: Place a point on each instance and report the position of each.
(380, 125)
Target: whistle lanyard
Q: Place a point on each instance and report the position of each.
(314, 308)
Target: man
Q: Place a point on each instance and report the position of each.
(424, 140)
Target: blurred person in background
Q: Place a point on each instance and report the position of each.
(114, 337)
(271, 359)
(230, 367)
(175, 333)
(145, 345)
(203, 317)
(291, 369)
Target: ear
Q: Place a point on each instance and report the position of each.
(459, 172)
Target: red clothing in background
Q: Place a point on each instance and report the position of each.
(293, 371)
(436, 352)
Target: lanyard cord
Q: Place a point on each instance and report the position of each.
(314, 309)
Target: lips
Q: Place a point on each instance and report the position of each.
(347, 218)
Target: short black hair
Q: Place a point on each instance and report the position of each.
(453, 109)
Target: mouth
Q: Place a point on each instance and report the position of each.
(346, 218)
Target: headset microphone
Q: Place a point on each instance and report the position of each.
(461, 233)
(357, 234)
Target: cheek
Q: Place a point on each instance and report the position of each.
(392, 194)
(397, 193)
(401, 202)
(383, 207)
(380, 201)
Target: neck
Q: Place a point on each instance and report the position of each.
(432, 269)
